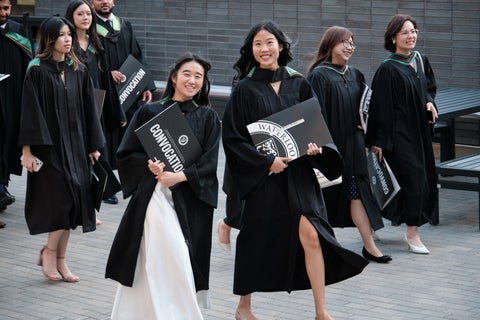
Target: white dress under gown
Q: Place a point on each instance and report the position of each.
(163, 286)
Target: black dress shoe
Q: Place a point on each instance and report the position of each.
(2, 224)
(6, 199)
(382, 259)
(112, 200)
(2, 208)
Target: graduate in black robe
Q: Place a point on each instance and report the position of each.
(60, 126)
(282, 202)
(89, 50)
(339, 88)
(404, 90)
(194, 199)
(15, 54)
(119, 41)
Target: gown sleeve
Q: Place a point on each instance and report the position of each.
(431, 82)
(131, 158)
(248, 166)
(201, 172)
(34, 128)
(94, 132)
(381, 120)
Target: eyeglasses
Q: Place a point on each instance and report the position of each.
(347, 44)
(5, 8)
(412, 32)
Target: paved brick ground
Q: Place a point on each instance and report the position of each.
(442, 285)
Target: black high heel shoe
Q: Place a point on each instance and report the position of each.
(383, 259)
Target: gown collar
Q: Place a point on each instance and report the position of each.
(266, 75)
(56, 66)
(403, 59)
(338, 68)
(185, 106)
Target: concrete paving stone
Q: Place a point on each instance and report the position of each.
(443, 285)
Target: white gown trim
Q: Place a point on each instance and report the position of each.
(163, 286)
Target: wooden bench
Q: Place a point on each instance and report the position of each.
(467, 166)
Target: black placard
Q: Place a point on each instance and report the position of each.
(169, 138)
(137, 78)
(287, 133)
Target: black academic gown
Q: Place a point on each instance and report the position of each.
(15, 54)
(119, 42)
(194, 199)
(339, 91)
(269, 256)
(112, 113)
(398, 124)
(59, 122)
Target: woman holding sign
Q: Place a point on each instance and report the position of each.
(285, 242)
(166, 230)
(89, 50)
(339, 89)
(402, 113)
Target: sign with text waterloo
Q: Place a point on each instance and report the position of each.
(287, 133)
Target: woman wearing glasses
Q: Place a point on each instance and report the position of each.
(402, 113)
(339, 90)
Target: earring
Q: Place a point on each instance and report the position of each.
(393, 41)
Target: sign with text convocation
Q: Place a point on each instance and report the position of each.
(169, 138)
(287, 133)
(382, 180)
(136, 79)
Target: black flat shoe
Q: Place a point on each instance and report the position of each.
(383, 259)
(112, 200)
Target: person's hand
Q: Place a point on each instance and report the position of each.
(147, 96)
(94, 156)
(117, 76)
(169, 179)
(156, 167)
(29, 162)
(279, 164)
(313, 149)
(378, 152)
(431, 108)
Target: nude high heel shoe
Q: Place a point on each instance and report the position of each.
(68, 276)
(51, 275)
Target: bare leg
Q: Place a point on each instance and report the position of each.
(48, 256)
(315, 265)
(61, 263)
(413, 236)
(223, 232)
(360, 219)
(244, 308)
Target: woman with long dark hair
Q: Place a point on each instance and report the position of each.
(59, 131)
(88, 48)
(285, 242)
(161, 253)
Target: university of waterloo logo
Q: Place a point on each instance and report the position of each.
(273, 139)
